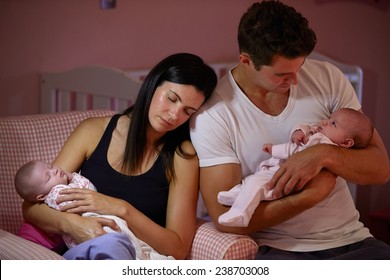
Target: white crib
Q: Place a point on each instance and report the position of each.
(101, 87)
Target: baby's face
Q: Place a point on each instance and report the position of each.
(47, 176)
(334, 127)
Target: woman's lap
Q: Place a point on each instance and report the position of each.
(110, 246)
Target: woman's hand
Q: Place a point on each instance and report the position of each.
(80, 228)
(85, 228)
(80, 201)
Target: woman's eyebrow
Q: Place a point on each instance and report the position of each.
(178, 96)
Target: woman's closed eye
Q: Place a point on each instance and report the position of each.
(189, 111)
(173, 99)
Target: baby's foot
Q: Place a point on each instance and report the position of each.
(233, 219)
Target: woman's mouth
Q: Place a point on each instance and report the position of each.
(167, 122)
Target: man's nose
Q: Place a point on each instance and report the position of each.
(294, 79)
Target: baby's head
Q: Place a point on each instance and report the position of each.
(348, 128)
(35, 179)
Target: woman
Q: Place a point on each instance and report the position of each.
(142, 163)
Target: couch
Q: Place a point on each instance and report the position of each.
(40, 136)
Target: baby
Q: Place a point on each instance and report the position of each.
(37, 181)
(346, 128)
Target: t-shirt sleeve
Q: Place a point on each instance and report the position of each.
(212, 141)
(342, 93)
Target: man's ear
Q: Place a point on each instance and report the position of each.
(348, 143)
(245, 59)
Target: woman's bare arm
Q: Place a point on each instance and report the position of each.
(178, 234)
(54, 221)
(76, 149)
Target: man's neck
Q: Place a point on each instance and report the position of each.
(269, 102)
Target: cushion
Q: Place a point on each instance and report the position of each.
(13, 247)
(51, 241)
(211, 244)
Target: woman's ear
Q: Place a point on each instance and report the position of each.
(348, 143)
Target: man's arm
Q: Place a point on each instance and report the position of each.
(370, 165)
(222, 177)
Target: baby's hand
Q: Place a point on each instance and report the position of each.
(267, 148)
(298, 137)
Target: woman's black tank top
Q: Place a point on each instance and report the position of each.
(147, 192)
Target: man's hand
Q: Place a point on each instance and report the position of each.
(300, 168)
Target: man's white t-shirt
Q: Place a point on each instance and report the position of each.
(229, 128)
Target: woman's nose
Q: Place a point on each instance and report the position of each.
(173, 114)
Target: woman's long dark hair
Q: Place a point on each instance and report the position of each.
(181, 68)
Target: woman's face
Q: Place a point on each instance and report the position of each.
(172, 105)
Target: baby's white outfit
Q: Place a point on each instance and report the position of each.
(245, 197)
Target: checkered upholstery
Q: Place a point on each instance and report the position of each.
(24, 138)
(210, 244)
(13, 247)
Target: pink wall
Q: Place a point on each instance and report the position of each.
(45, 35)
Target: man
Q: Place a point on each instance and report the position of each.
(273, 88)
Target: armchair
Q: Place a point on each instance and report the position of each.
(24, 138)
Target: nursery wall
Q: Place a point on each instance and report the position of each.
(45, 35)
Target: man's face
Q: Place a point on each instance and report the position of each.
(280, 75)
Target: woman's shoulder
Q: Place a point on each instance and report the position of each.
(93, 125)
(188, 147)
(187, 153)
(90, 128)
(96, 121)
